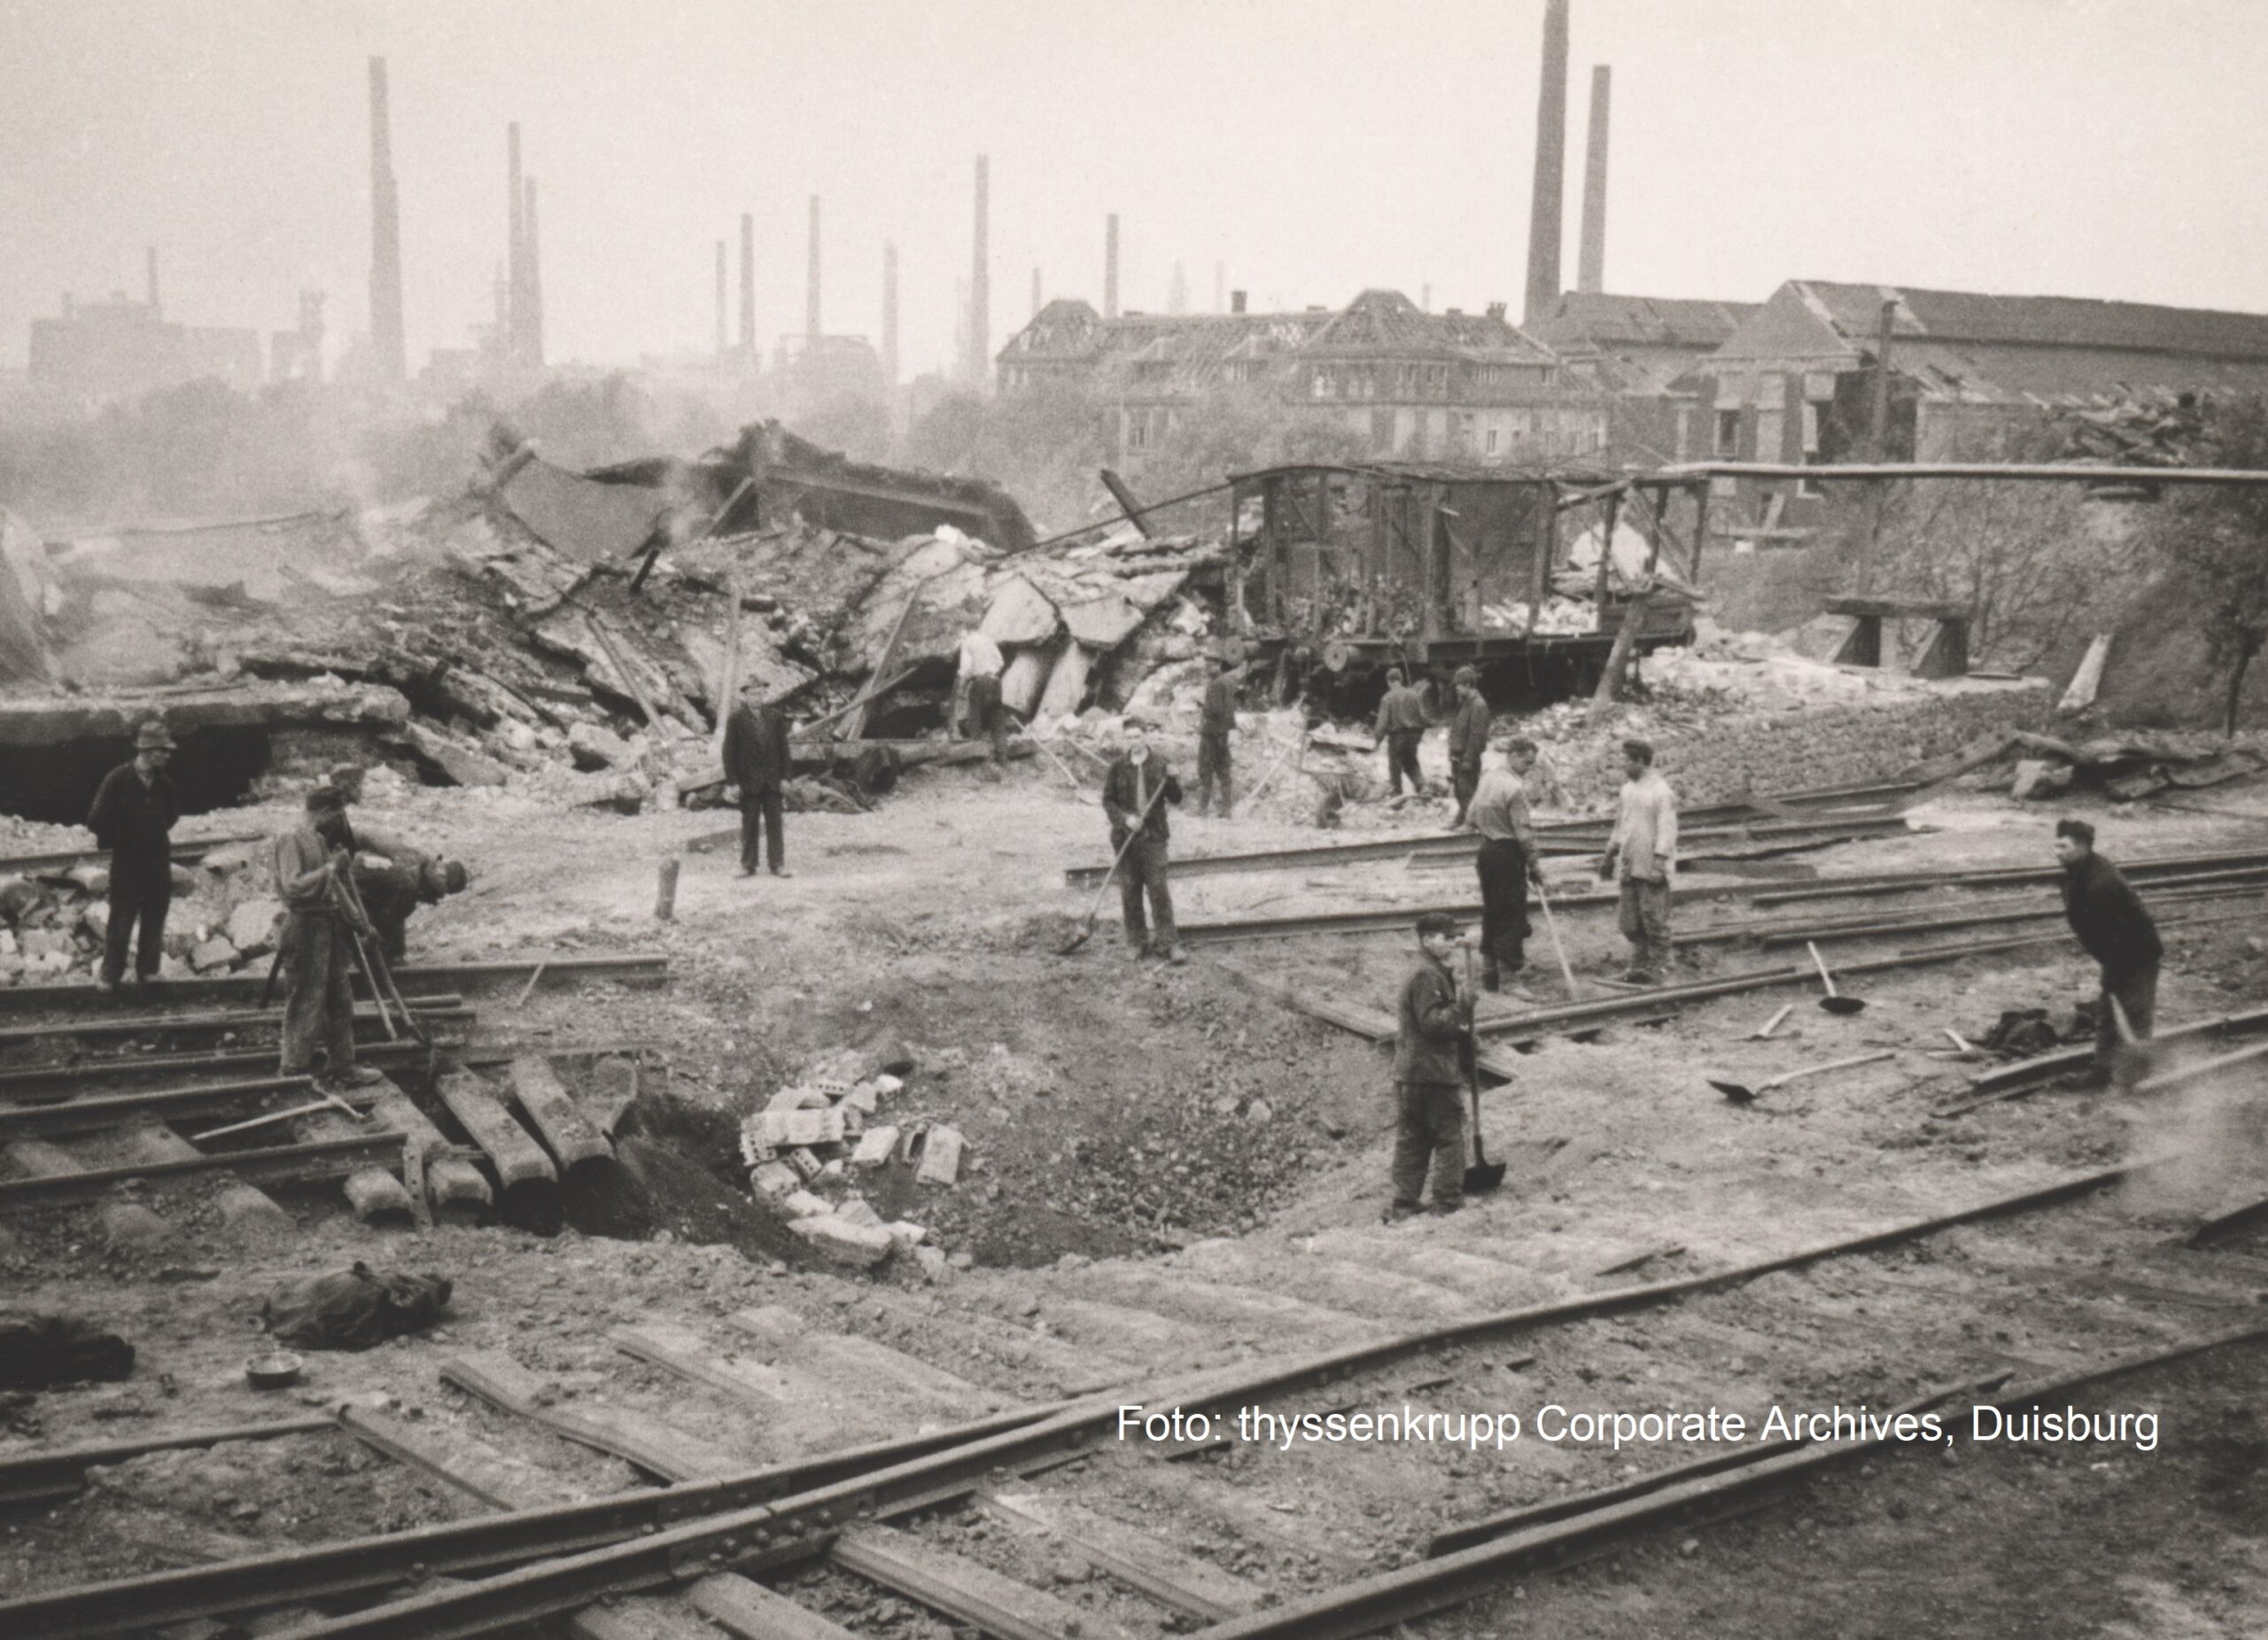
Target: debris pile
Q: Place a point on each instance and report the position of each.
(52, 923)
(2125, 767)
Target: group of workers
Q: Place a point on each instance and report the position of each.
(339, 883)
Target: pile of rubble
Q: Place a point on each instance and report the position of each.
(53, 924)
(2125, 767)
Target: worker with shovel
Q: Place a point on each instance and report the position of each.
(1643, 849)
(1506, 862)
(2116, 929)
(1135, 792)
(1434, 1032)
(317, 951)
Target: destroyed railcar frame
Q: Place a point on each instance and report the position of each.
(1361, 564)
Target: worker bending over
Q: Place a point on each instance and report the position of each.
(983, 716)
(1643, 849)
(403, 878)
(2117, 930)
(1507, 863)
(1135, 792)
(1435, 1031)
(317, 952)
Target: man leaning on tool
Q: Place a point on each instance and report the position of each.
(133, 815)
(756, 761)
(410, 878)
(1644, 848)
(1135, 792)
(1468, 739)
(1507, 863)
(317, 951)
(2117, 930)
(1435, 1025)
(1402, 725)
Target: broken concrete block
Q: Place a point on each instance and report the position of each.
(789, 1128)
(92, 880)
(775, 1180)
(940, 1156)
(859, 1211)
(129, 1226)
(593, 748)
(857, 1246)
(865, 1098)
(935, 1265)
(212, 953)
(95, 919)
(886, 1085)
(905, 1235)
(875, 1147)
(252, 926)
(798, 1097)
(803, 1204)
(249, 1214)
(459, 763)
(806, 1165)
(2037, 778)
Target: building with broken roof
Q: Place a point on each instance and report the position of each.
(1641, 353)
(97, 352)
(1411, 384)
(1800, 381)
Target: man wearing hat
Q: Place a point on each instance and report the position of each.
(410, 877)
(1506, 863)
(133, 817)
(1468, 739)
(1135, 791)
(756, 761)
(317, 951)
(1429, 1093)
(2116, 930)
(1402, 725)
(1216, 723)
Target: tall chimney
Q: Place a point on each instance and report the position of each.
(150, 278)
(515, 273)
(1035, 292)
(1220, 287)
(1177, 292)
(1235, 302)
(532, 260)
(1110, 267)
(980, 281)
(810, 276)
(1551, 164)
(748, 288)
(389, 350)
(890, 312)
(721, 298)
(1590, 276)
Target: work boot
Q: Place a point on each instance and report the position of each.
(2094, 1078)
(105, 985)
(1396, 1211)
(1177, 954)
(1444, 1208)
(1490, 978)
(745, 871)
(357, 1075)
(781, 871)
(1137, 947)
(1641, 976)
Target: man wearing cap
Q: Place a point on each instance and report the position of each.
(133, 816)
(1644, 848)
(1402, 725)
(1468, 739)
(983, 717)
(1216, 722)
(2117, 930)
(1135, 791)
(1506, 862)
(756, 762)
(410, 878)
(1435, 1031)
(317, 954)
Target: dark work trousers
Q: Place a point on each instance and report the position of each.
(318, 994)
(760, 827)
(1144, 871)
(1212, 765)
(1504, 905)
(1645, 916)
(141, 892)
(1428, 1127)
(1402, 759)
(2136, 991)
(987, 719)
(1465, 780)
(389, 893)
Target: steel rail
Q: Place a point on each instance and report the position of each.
(233, 987)
(109, 1110)
(2045, 1065)
(161, 1024)
(615, 1544)
(1995, 472)
(186, 851)
(318, 1159)
(127, 1067)
(2012, 876)
(56, 1471)
(1768, 934)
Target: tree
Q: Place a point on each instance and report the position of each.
(1240, 428)
(2214, 541)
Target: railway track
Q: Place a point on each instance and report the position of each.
(750, 1471)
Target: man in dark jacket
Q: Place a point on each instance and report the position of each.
(1468, 739)
(133, 817)
(1435, 1031)
(756, 761)
(2117, 932)
(1402, 725)
(1216, 722)
(1135, 792)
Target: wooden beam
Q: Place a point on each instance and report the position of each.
(568, 1133)
(517, 1157)
(647, 1443)
(1197, 1588)
(962, 1589)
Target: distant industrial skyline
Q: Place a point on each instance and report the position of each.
(2073, 147)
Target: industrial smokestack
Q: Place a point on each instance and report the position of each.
(1035, 292)
(1110, 267)
(532, 258)
(150, 278)
(810, 276)
(389, 350)
(1220, 287)
(721, 299)
(889, 313)
(1177, 292)
(979, 281)
(1590, 266)
(1546, 206)
(515, 253)
(1235, 302)
(748, 288)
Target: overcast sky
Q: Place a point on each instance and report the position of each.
(2111, 148)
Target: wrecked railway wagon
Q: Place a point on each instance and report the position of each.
(1352, 567)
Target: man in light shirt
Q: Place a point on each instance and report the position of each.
(1644, 848)
(1506, 862)
(982, 715)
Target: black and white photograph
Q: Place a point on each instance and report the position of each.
(1270, 819)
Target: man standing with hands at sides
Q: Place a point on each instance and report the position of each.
(756, 761)
(1507, 863)
(1468, 739)
(1429, 1093)
(1644, 847)
(1216, 722)
(2117, 930)
(134, 816)
(1402, 725)
(317, 951)
(982, 715)
(1135, 792)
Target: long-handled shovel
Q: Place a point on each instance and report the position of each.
(1552, 927)
(1086, 931)
(1483, 1174)
(374, 971)
(1741, 1094)
(1833, 1002)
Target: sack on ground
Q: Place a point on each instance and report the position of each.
(355, 1308)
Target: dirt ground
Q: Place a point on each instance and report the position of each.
(1129, 1113)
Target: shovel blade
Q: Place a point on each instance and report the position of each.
(1738, 1092)
(1842, 1004)
(1483, 1176)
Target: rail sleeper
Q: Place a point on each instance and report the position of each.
(518, 1158)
